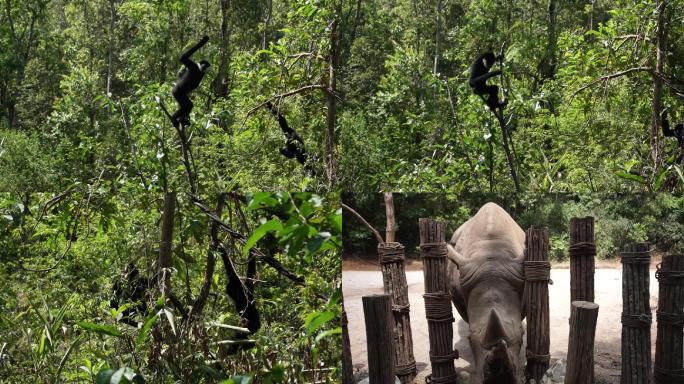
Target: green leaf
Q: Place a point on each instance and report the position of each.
(104, 376)
(327, 333)
(334, 298)
(261, 199)
(660, 179)
(315, 244)
(142, 334)
(272, 225)
(336, 220)
(210, 371)
(276, 375)
(172, 322)
(98, 328)
(238, 379)
(630, 176)
(316, 319)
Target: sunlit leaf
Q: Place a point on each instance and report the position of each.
(99, 328)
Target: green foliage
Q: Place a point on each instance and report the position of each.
(619, 219)
(78, 337)
(570, 130)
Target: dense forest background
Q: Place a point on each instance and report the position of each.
(96, 183)
(586, 83)
(585, 80)
(619, 219)
(81, 78)
(67, 289)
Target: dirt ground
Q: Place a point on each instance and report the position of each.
(364, 278)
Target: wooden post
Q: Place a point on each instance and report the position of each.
(437, 302)
(347, 368)
(580, 368)
(537, 275)
(380, 338)
(582, 254)
(391, 256)
(636, 314)
(669, 359)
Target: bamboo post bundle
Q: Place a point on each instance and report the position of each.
(580, 368)
(391, 256)
(669, 359)
(377, 312)
(636, 314)
(582, 254)
(437, 302)
(537, 276)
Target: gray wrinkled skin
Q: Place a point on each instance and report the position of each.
(486, 278)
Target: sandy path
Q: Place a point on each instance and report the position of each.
(608, 295)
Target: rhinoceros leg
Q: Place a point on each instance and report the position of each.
(457, 296)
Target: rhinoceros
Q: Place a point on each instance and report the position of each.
(486, 283)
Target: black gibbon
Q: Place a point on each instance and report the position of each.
(188, 80)
(479, 74)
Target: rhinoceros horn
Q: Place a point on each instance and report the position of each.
(494, 332)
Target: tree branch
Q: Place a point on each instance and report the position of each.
(255, 252)
(201, 300)
(367, 224)
(286, 94)
(612, 76)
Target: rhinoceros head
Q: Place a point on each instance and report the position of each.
(496, 350)
(486, 284)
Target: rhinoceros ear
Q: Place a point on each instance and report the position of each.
(454, 256)
(494, 332)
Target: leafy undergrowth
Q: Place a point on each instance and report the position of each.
(57, 325)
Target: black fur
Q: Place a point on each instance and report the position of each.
(294, 146)
(676, 132)
(132, 288)
(479, 74)
(242, 295)
(188, 80)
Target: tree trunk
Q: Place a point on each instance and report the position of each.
(330, 100)
(438, 12)
(389, 210)
(221, 82)
(110, 53)
(267, 22)
(165, 248)
(198, 305)
(391, 256)
(661, 37)
(347, 367)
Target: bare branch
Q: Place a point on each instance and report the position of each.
(305, 54)
(367, 224)
(268, 259)
(286, 94)
(612, 76)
